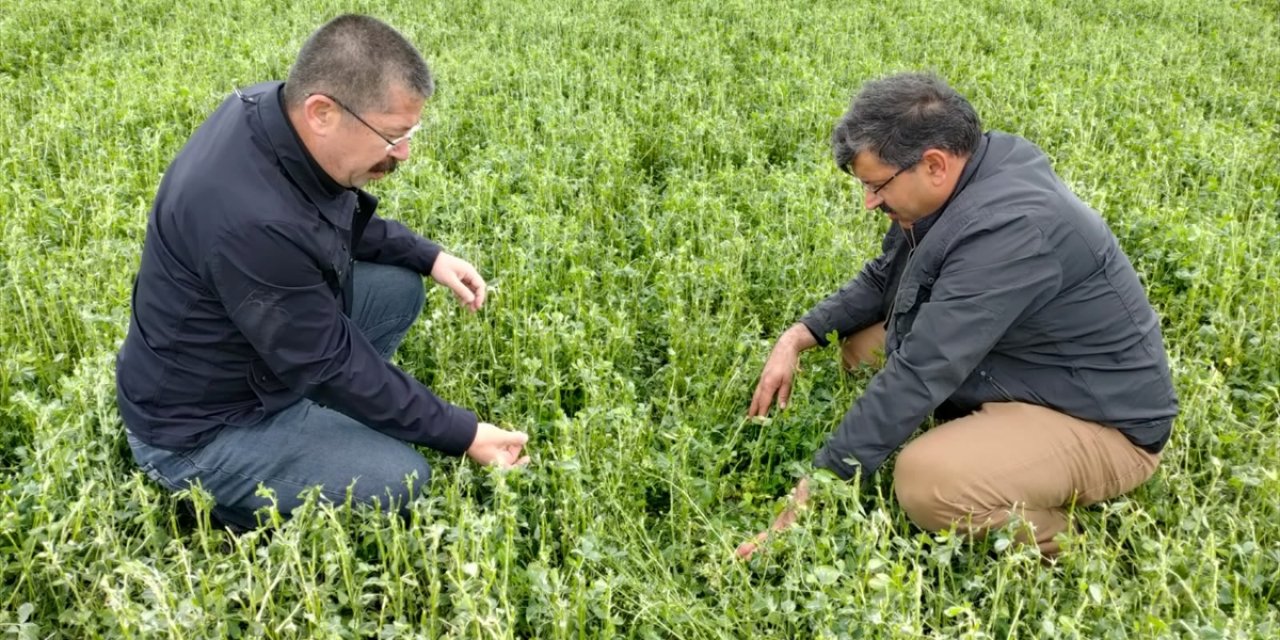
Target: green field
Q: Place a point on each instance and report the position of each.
(648, 188)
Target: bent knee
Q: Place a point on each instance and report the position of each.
(394, 487)
(395, 283)
(925, 486)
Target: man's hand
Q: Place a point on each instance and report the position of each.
(461, 278)
(498, 446)
(784, 520)
(780, 370)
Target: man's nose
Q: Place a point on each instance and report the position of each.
(401, 151)
(871, 200)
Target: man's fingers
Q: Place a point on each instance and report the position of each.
(763, 397)
(781, 523)
(494, 445)
(476, 283)
(512, 454)
(460, 290)
(756, 401)
(769, 387)
(798, 498)
(746, 549)
(461, 278)
(508, 458)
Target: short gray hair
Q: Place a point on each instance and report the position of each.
(357, 59)
(901, 116)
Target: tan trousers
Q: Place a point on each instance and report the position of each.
(1006, 459)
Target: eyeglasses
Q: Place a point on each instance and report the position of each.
(391, 143)
(875, 191)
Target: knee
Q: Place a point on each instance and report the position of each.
(407, 286)
(865, 348)
(921, 482)
(411, 484)
(396, 285)
(395, 485)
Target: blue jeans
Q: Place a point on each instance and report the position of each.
(306, 444)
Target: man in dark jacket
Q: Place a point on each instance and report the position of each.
(270, 295)
(1000, 301)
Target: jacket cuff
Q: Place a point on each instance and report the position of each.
(461, 432)
(815, 328)
(826, 459)
(425, 254)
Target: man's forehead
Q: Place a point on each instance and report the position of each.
(867, 164)
(398, 120)
(399, 97)
(400, 115)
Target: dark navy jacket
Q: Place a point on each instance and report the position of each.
(238, 307)
(1014, 291)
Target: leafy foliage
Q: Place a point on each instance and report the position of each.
(647, 186)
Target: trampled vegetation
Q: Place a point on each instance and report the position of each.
(648, 187)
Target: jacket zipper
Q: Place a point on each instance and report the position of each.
(998, 387)
(893, 303)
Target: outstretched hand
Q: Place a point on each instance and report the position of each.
(784, 521)
(493, 445)
(461, 278)
(780, 370)
(775, 380)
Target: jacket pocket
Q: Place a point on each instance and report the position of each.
(985, 372)
(263, 379)
(905, 309)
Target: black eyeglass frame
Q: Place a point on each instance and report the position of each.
(876, 190)
(391, 143)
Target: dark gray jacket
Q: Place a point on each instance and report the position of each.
(1015, 290)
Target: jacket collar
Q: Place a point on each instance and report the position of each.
(922, 226)
(970, 168)
(332, 199)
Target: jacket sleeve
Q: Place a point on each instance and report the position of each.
(857, 304)
(276, 294)
(390, 242)
(994, 275)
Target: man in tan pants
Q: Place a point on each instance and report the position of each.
(1002, 305)
(1006, 458)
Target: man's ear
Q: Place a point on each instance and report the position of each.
(938, 165)
(320, 114)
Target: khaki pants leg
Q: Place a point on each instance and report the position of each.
(1015, 458)
(865, 347)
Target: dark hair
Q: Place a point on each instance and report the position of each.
(357, 59)
(901, 116)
